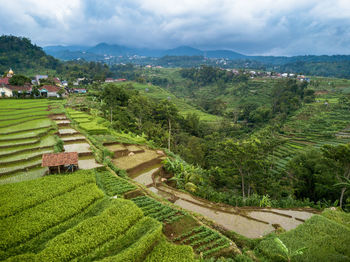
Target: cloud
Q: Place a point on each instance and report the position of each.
(277, 27)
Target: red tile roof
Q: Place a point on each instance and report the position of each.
(4, 80)
(26, 88)
(50, 88)
(59, 159)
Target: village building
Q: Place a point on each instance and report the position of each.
(60, 162)
(38, 77)
(5, 91)
(49, 91)
(79, 90)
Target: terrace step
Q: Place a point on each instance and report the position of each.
(24, 166)
(83, 149)
(73, 138)
(67, 131)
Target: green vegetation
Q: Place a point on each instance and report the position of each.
(79, 222)
(26, 134)
(113, 185)
(157, 210)
(321, 237)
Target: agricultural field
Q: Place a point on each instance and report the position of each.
(324, 237)
(80, 222)
(92, 125)
(185, 108)
(314, 125)
(26, 132)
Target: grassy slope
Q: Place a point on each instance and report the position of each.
(185, 108)
(22, 147)
(326, 238)
(88, 227)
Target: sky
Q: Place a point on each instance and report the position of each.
(252, 27)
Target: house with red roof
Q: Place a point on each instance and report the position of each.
(49, 90)
(4, 81)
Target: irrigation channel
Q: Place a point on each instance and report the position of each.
(75, 142)
(251, 222)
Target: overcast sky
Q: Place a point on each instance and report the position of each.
(266, 27)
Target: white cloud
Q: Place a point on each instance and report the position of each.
(250, 26)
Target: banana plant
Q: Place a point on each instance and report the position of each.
(288, 254)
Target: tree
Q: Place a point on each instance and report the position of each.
(246, 158)
(311, 176)
(19, 80)
(61, 92)
(167, 112)
(339, 159)
(113, 96)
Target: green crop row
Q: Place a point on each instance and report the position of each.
(138, 250)
(23, 226)
(33, 124)
(123, 241)
(92, 232)
(24, 156)
(20, 196)
(45, 142)
(15, 167)
(26, 141)
(113, 185)
(26, 134)
(166, 251)
(203, 239)
(157, 210)
(8, 123)
(21, 176)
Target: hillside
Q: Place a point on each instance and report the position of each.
(21, 55)
(80, 222)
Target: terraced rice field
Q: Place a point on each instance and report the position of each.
(92, 125)
(312, 126)
(80, 223)
(26, 133)
(138, 161)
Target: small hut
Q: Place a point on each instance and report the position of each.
(60, 162)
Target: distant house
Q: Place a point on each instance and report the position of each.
(60, 162)
(38, 77)
(26, 89)
(4, 81)
(120, 80)
(109, 80)
(79, 90)
(64, 83)
(57, 81)
(5, 91)
(49, 91)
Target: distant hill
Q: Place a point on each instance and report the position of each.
(186, 56)
(183, 51)
(75, 52)
(20, 54)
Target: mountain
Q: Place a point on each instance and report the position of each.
(183, 51)
(224, 54)
(87, 53)
(106, 49)
(20, 54)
